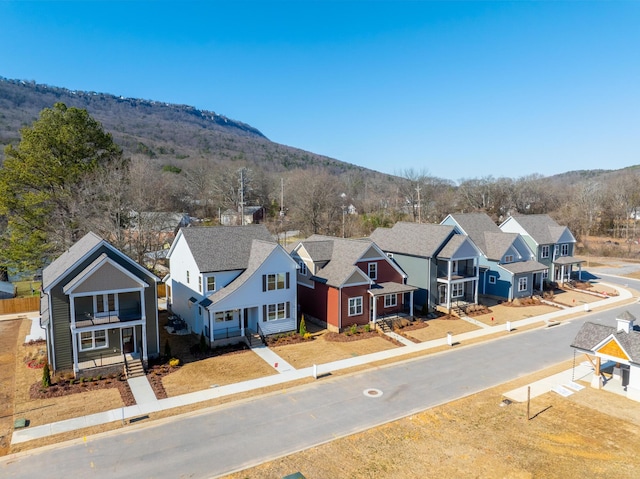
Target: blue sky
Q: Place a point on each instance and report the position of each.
(456, 89)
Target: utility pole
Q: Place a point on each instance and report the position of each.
(419, 216)
(242, 196)
(281, 197)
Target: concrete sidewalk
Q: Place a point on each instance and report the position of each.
(149, 405)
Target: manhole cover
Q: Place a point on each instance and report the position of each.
(372, 393)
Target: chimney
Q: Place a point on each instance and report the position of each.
(625, 322)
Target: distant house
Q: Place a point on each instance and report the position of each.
(97, 305)
(507, 265)
(618, 346)
(228, 282)
(552, 244)
(252, 215)
(443, 265)
(7, 290)
(345, 282)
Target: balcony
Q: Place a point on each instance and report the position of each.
(114, 317)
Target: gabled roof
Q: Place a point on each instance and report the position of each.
(486, 235)
(344, 254)
(591, 335)
(543, 229)
(416, 239)
(260, 251)
(221, 248)
(521, 267)
(76, 254)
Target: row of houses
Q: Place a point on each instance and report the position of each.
(235, 282)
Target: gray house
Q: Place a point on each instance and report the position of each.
(98, 305)
(552, 244)
(507, 265)
(443, 265)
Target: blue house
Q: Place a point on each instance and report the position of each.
(508, 268)
(553, 245)
(443, 265)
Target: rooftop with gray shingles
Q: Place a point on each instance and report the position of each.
(416, 239)
(223, 248)
(67, 259)
(344, 255)
(542, 228)
(592, 334)
(486, 235)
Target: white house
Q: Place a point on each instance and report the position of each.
(232, 281)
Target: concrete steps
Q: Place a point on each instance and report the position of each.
(133, 367)
(255, 341)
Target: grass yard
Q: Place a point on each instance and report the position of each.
(438, 328)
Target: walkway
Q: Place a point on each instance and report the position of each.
(132, 412)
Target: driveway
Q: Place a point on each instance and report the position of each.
(233, 437)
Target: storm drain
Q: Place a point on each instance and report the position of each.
(372, 393)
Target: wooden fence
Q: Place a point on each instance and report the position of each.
(162, 290)
(19, 305)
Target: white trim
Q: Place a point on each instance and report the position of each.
(355, 298)
(93, 340)
(81, 279)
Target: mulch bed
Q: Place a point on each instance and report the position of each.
(286, 339)
(65, 388)
(346, 338)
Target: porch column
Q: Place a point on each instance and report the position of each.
(477, 280)
(541, 282)
(448, 291)
(562, 272)
(143, 308)
(449, 269)
(411, 303)
(242, 321)
(580, 271)
(144, 340)
(210, 323)
(74, 342)
(375, 303)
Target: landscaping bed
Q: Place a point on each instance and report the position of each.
(65, 387)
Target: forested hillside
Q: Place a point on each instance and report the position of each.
(181, 159)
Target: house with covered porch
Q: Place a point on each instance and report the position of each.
(552, 244)
(441, 264)
(232, 282)
(346, 282)
(98, 307)
(508, 268)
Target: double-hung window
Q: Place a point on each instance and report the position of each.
(303, 268)
(457, 290)
(373, 270)
(93, 340)
(390, 300)
(522, 284)
(276, 311)
(275, 281)
(211, 283)
(564, 249)
(355, 306)
(544, 251)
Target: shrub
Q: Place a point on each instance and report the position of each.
(367, 328)
(174, 362)
(303, 327)
(46, 375)
(306, 336)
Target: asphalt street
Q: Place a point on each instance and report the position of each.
(228, 438)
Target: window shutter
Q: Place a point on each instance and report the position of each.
(287, 280)
(264, 312)
(288, 306)
(264, 282)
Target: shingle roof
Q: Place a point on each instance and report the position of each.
(486, 235)
(416, 239)
(67, 259)
(223, 248)
(591, 335)
(542, 228)
(524, 267)
(260, 251)
(344, 255)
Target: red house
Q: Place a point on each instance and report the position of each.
(342, 282)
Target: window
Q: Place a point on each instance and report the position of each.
(187, 277)
(556, 250)
(390, 255)
(211, 283)
(373, 270)
(276, 311)
(508, 258)
(271, 282)
(390, 300)
(303, 268)
(522, 284)
(544, 251)
(355, 306)
(223, 316)
(565, 249)
(105, 303)
(545, 274)
(457, 290)
(93, 340)
(200, 283)
(492, 279)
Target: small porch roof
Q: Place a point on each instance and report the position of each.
(380, 289)
(568, 260)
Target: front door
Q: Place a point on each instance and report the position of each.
(442, 294)
(128, 343)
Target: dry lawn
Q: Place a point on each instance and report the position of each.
(476, 437)
(44, 411)
(8, 337)
(321, 351)
(438, 328)
(220, 370)
(500, 314)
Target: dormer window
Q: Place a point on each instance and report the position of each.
(508, 258)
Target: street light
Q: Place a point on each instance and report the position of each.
(343, 196)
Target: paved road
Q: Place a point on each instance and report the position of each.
(239, 435)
